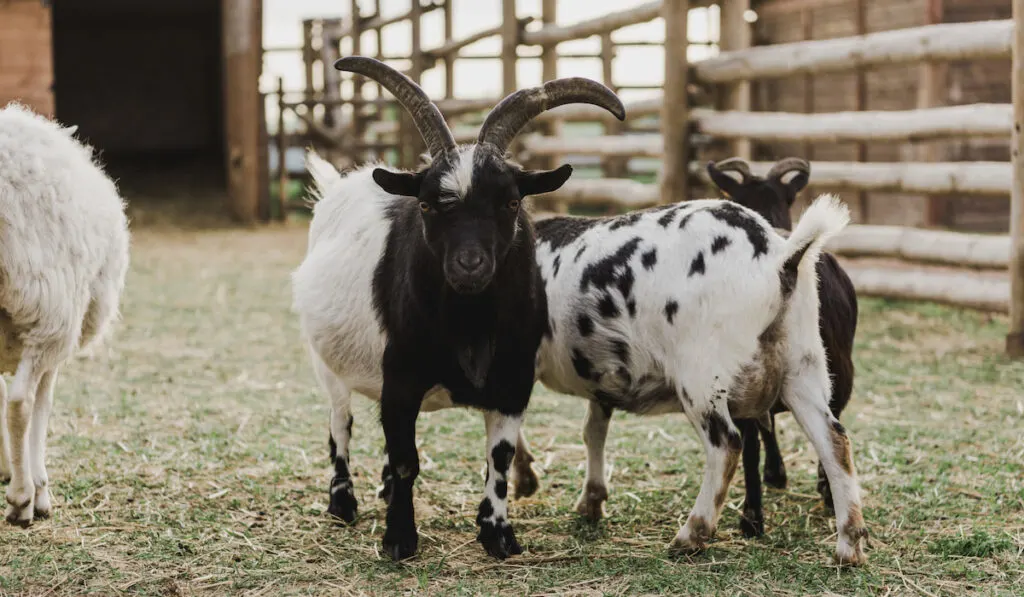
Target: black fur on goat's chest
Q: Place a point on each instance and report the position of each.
(476, 346)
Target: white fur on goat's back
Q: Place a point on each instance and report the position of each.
(64, 241)
(333, 287)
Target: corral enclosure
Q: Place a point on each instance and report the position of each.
(148, 85)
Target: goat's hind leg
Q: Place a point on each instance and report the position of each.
(806, 396)
(524, 477)
(342, 493)
(590, 504)
(37, 439)
(752, 521)
(709, 414)
(774, 467)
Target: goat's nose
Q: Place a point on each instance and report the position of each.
(470, 261)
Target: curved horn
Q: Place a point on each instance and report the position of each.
(787, 165)
(511, 115)
(735, 165)
(425, 114)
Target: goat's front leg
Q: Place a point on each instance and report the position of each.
(5, 438)
(496, 534)
(752, 522)
(399, 408)
(590, 504)
(806, 397)
(709, 415)
(37, 439)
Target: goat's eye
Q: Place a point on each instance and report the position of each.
(424, 206)
(513, 204)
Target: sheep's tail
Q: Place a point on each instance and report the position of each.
(325, 176)
(826, 217)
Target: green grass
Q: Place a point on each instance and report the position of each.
(191, 458)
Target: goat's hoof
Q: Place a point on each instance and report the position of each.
(692, 538)
(850, 550)
(752, 523)
(526, 482)
(20, 506)
(775, 477)
(590, 504)
(343, 505)
(400, 545)
(499, 541)
(42, 506)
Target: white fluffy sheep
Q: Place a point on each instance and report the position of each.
(63, 259)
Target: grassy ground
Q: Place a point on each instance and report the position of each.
(191, 458)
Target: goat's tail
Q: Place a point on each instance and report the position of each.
(325, 175)
(826, 216)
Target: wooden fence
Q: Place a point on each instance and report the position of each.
(963, 269)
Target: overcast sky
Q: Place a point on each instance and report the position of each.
(283, 27)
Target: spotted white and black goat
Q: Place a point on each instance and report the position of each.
(63, 258)
(698, 307)
(421, 290)
(772, 196)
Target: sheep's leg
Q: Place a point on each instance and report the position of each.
(806, 397)
(5, 438)
(709, 415)
(774, 467)
(342, 494)
(37, 440)
(752, 522)
(590, 504)
(20, 402)
(400, 402)
(522, 465)
(496, 534)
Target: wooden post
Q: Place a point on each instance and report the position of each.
(357, 82)
(509, 46)
(807, 20)
(549, 71)
(247, 176)
(674, 109)
(411, 144)
(861, 100)
(449, 59)
(736, 35)
(308, 56)
(1015, 339)
(378, 110)
(930, 87)
(329, 53)
(612, 167)
(282, 148)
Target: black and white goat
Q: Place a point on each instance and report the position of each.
(837, 322)
(421, 290)
(698, 307)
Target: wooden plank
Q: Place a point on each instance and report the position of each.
(674, 110)
(555, 34)
(1015, 338)
(982, 251)
(950, 41)
(975, 120)
(509, 44)
(243, 54)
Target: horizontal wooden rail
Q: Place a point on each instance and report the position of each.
(455, 45)
(604, 191)
(646, 145)
(947, 41)
(963, 289)
(927, 246)
(555, 34)
(977, 120)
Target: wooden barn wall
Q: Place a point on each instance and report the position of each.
(141, 78)
(26, 66)
(887, 88)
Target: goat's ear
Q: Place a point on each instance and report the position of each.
(406, 184)
(795, 184)
(535, 182)
(727, 184)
